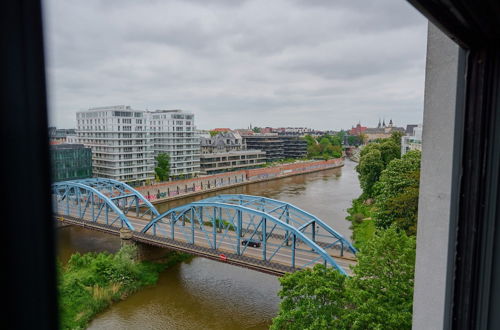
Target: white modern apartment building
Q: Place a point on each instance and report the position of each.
(120, 142)
(173, 132)
(125, 141)
(412, 141)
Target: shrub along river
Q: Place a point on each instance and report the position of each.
(206, 294)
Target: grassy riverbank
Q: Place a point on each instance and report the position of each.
(91, 282)
(362, 224)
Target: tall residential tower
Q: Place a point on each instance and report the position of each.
(173, 132)
(125, 142)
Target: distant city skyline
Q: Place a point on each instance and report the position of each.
(319, 64)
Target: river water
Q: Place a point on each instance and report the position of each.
(206, 294)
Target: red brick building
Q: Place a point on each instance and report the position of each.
(357, 130)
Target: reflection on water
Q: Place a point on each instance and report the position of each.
(77, 239)
(202, 294)
(205, 294)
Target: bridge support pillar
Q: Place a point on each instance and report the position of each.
(126, 236)
(144, 252)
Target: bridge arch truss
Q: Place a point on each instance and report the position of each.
(103, 201)
(233, 223)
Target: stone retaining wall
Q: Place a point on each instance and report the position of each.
(173, 189)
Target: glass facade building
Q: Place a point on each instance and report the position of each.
(70, 162)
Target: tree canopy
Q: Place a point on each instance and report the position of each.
(379, 295)
(311, 299)
(374, 158)
(369, 169)
(381, 291)
(396, 137)
(162, 168)
(397, 193)
(326, 146)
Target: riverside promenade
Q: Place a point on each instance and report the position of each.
(161, 192)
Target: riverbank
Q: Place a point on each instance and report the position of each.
(169, 191)
(91, 282)
(362, 224)
(191, 295)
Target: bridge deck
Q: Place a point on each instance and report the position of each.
(226, 241)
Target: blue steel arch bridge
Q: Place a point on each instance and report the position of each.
(255, 232)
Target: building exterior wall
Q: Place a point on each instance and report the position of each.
(294, 147)
(222, 142)
(373, 134)
(173, 132)
(413, 141)
(120, 143)
(271, 144)
(232, 160)
(228, 179)
(437, 169)
(292, 131)
(125, 142)
(70, 162)
(61, 135)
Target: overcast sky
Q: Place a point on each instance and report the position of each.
(324, 64)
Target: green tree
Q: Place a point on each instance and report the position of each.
(327, 147)
(397, 193)
(310, 140)
(369, 169)
(162, 168)
(353, 140)
(369, 147)
(340, 136)
(401, 210)
(389, 150)
(380, 294)
(332, 151)
(314, 150)
(396, 137)
(325, 140)
(311, 299)
(363, 138)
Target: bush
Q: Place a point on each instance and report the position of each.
(91, 282)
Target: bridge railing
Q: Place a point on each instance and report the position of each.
(241, 230)
(253, 226)
(313, 227)
(84, 202)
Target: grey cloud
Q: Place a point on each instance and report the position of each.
(273, 63)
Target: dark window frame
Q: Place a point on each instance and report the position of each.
(473, 286)
(29, 255)
(28, 250)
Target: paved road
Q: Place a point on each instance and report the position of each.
(227, 240)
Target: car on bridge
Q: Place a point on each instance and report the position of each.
(251, 243)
